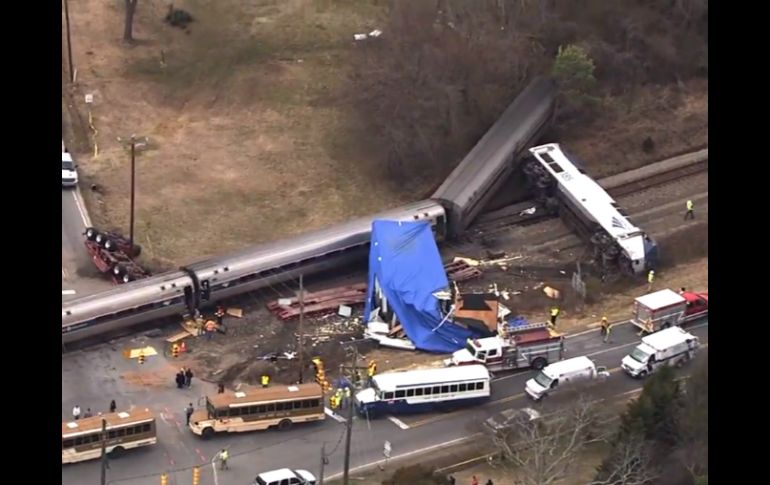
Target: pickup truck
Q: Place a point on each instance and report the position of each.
(667, 308)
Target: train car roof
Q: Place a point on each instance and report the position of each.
(497, 144)
(334, 238)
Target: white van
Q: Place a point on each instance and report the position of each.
(672, 346)
(563, 374)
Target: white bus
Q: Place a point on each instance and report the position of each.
(82, 439)
(276, 406)
(424, 390)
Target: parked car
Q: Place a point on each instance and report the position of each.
(285, 476)
(69, 172)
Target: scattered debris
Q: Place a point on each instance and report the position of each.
(319, 302)
(552, 293)
(234, 312)
(528, 212)
(460, 270)
(345, 311)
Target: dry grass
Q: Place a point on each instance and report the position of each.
(248, 142)
(243, 141)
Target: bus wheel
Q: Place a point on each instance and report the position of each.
(539, 363)
(208, 433)
(117, 452)
(284, 424)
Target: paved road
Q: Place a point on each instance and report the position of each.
(78, 272)
(92, 377)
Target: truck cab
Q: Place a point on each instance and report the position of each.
(697, 304)
(478, 351)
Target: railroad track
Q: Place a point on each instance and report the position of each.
(661, 173)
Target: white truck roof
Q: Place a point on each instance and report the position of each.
(570, 365)
(661, 299)
(667, 338)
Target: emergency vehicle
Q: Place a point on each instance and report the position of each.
(667, 308)
(533, 345)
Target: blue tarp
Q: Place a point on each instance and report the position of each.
(405, 261)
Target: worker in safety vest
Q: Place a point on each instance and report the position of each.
(223, 456)
(371, 370)
(265, 380)
(690, 214)
(210, 329)
(650, 279)
(605, 329)
(334, 401)
(554, 315)
(346, 397)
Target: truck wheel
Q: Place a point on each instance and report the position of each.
(207, 433)
(539, 363)
(110, 245)
(284, 424)
(91, 233)
(643, 374)
(118, 270)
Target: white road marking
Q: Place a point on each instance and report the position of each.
(334, 416)
(81, 207)
(404, 455)
(398, 422)
(67, 292)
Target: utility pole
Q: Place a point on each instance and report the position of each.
(324, 461)
(104, 452)
(69, 39)
(349, 417)
(133, 187)
(301, 328)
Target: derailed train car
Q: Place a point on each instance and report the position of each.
(565, 189)
(211, 280)
(453, 207)
(478, 176)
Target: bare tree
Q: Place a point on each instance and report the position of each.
(543, 450)
(631, 463)
(128, 26)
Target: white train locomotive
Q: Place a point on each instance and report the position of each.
(562, 187)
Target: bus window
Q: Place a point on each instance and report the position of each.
(400, 394)
(418, 392)
(410, 393)
(444, 389)
(463, 387)
(453, 388)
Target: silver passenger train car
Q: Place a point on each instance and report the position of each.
(478, 176)
(214, 279)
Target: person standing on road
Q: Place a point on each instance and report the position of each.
(554, 315)
(113, 406)
(650, 279)
(188, 375)
(180, 379)
(76, 412)
(188, 411)
(690, 214)
(265, 379)
(605, 329)
(371, 370)
(223, 456)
